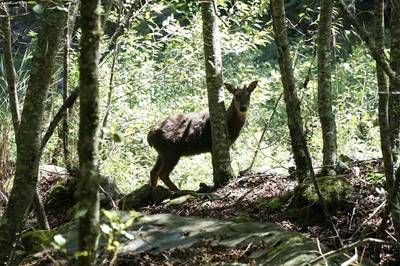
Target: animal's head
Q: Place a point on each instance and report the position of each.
(241, 97)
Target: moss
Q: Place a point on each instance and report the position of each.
(303, 203)
(242, 219)
(333, 189)
(144, 196)
(72, 211)
(276, 204)
(35, 241)
(61, 196)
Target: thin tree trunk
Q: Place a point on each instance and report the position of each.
(394, 101)
(40, 212)
(379, 57)
(65, 128)
(394, 77)
(222, 170)
(394, 113)
(29, 131)
(326, 116)
(10, 73)
(109, 95)
(72, 13)
(384, 125)
(135, 9)
(295, 121)
(88, 182)
(14, 108)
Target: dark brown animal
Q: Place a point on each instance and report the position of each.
(190, 134)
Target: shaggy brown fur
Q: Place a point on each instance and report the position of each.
(190, 134)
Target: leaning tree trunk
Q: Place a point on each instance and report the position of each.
(222, 170)
(14, 108)
(394, 101)
(29, 131)
(295, 121)
(326, 116)
(88, 182)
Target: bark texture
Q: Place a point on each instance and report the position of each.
(222, 170)
(88, 182)
(326, 116)
(394, 101)
(384, 125)
(394, 113)
(292, 102)
(29, 131)
(14, 107)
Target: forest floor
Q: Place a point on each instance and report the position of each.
(243, 200)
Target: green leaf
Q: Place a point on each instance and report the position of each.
(38, 8)
(60, 240)
(106, 229)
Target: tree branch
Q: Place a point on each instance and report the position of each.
(351, 246)
(365, 36)
(10, 73)
(135, 10)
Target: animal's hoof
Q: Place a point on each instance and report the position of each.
(204, 188)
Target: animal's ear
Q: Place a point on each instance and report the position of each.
(230, 87)
(252, 86)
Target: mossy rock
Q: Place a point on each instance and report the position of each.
(303, 203)
(61, 197)
(36, 241)
(306, 207)
(275, 204)
(334, 190)
(144, 196)
(168, 231)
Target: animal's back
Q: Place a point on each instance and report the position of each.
(185, 134)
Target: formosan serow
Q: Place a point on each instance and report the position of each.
(190, 134)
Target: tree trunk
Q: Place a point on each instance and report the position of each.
(29, 131)
(295, 121)
(73, 10)
(88, 182)
(222, 170)
(134, 10)
(10, 73)
(394, 101)
(65, 73)
(326, 116)
(379, 57)
(394, 113)
(14, 108)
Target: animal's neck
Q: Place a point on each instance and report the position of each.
(235, 120)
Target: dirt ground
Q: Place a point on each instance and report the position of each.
(240, 201)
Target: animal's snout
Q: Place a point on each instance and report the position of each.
(243, 108)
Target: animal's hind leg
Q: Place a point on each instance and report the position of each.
(155, 172)
(168, 164)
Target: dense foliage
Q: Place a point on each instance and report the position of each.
(159, 71)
